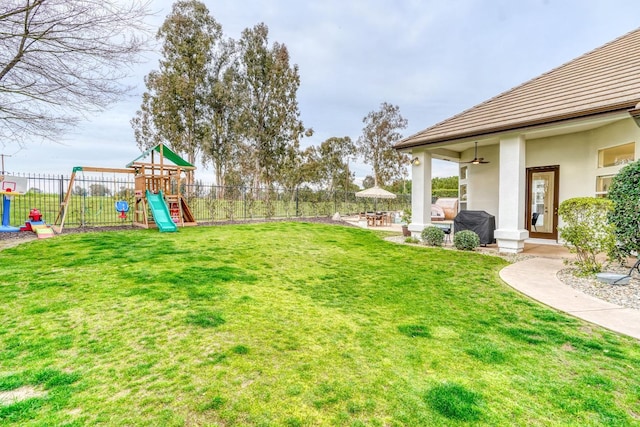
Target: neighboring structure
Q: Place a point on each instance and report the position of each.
(563, 134)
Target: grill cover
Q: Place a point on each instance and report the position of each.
(480, 222)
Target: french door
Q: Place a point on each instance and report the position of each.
(542, 202)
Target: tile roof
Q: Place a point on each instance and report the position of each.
(604, 80)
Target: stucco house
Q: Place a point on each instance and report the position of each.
(563, 134)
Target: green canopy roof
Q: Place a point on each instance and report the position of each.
(167, 153)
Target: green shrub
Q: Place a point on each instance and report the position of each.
(406, 216)
(433, 236)
(587, 231)
(624, 192)
(466, 240)
(444, 192)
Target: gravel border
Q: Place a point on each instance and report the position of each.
(623, 295)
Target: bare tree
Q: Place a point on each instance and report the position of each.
(60, 59)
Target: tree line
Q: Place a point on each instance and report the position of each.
(233, 104)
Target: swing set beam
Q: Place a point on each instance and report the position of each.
(62, 213)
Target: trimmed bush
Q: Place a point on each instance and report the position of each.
(587, 231)
(466, 240)
(444, 192)
(625, 215)
(433, 236)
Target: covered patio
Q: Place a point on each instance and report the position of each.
(532, 247)
(561, 135)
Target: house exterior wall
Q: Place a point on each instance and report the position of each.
(577, 156)
(483, 181)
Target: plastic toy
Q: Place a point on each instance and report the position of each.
(123, 207)
(10, 186)
(36, 224)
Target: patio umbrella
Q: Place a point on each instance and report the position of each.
(376, 193)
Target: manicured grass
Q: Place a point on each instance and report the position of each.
(292, 324)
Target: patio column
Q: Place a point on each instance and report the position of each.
(420, 193)
(511, 233)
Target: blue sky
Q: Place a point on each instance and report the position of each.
(432, 58)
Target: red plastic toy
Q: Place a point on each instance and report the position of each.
(35, 215)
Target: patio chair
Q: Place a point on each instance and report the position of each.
(380, 218)
(449, 206)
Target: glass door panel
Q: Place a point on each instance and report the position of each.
(542, 202)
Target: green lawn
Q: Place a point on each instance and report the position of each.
(292, 324)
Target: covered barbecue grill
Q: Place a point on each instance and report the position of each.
(480, 222)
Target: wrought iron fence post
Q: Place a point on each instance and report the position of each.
(244, 202)
(83, 208)
(61, 190)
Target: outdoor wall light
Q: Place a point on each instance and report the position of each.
(415, 161)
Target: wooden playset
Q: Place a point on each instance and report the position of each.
(159, 201)
(158, 190)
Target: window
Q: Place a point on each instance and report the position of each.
(463, 172)
(616, 156)
(602, 185)
(463, 197)
(462, 189)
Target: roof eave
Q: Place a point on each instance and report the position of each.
(416, 141)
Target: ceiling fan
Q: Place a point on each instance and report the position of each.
(476, 160)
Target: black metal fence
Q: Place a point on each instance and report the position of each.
(93, 201)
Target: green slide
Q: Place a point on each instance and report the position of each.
(160, 212)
